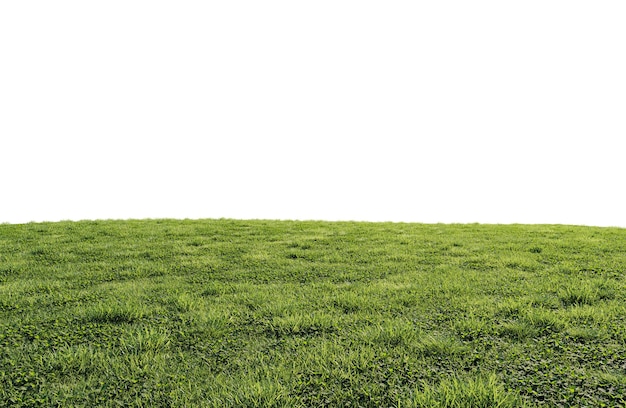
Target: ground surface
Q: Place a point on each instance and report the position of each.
(276, 313)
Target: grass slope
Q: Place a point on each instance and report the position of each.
(217, 313)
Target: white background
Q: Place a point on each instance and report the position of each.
(425, 111)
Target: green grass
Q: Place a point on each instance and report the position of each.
(220, 313)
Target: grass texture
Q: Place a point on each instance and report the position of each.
(228, 313)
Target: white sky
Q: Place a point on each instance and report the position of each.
(425, 111)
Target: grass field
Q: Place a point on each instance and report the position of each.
(221, 313)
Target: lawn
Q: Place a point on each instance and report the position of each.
(233, 313)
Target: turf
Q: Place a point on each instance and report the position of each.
(220, 313)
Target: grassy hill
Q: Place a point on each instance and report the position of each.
(218, 313)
